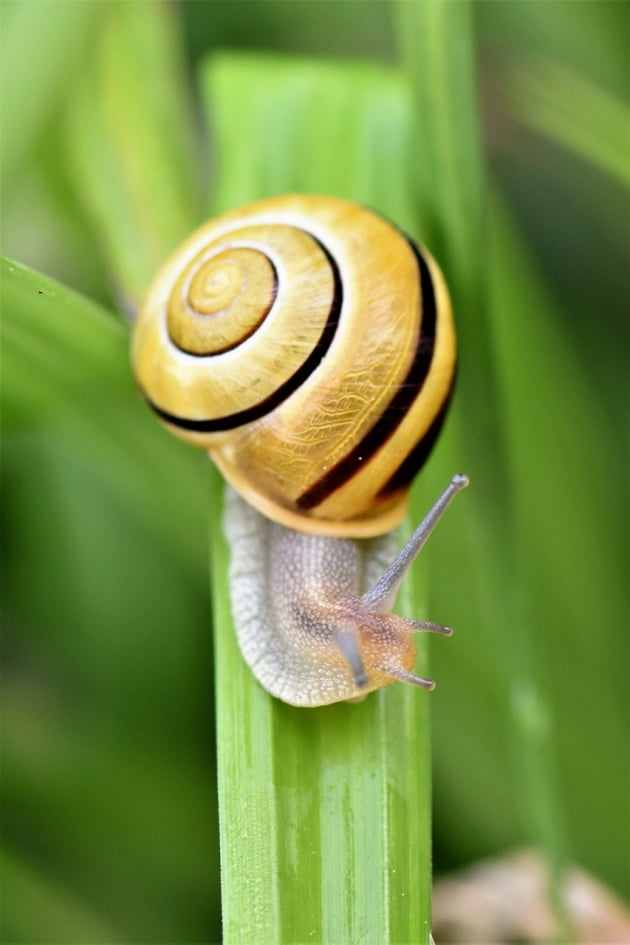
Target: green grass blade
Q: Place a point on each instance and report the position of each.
(568, 476)
(325, 826)
(437, 47)
(291, 155)
(41, 44)
(437, 42)
(572, 111)
(66, 368)
(324, 812)
(130, 142)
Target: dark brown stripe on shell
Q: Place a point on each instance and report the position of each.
(396, 411)
(414, 461)
(255, 412)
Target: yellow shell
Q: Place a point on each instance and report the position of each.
(308, 344)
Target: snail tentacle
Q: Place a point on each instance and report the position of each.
(381, 597)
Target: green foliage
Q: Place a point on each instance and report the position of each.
(131, 130)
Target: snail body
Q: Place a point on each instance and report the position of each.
(308, 345)
(313, 613)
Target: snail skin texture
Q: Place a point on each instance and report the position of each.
(308, 345)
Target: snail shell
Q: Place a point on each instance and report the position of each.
(308, 345)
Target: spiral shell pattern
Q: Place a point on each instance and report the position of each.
(308, 344)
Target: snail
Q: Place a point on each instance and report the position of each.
(308, 345)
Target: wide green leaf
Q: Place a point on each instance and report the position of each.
(325, 828)
(105, 616)
(66, 369)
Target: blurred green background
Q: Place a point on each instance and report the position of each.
(109, 796)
